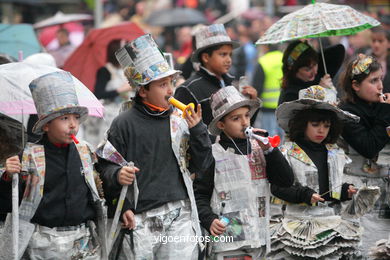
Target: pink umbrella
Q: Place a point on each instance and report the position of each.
(16, 97)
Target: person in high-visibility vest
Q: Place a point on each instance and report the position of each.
(267, 81)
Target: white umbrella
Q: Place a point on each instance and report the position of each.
(61, 18)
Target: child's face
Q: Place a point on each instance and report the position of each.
(316, 132)
(235, 123)
(158, 93)
(379, 44)
(60, 129)
(370, 88)
(220, 61)
(307, 73)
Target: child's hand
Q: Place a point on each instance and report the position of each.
(13, 165)
(193, 118)
(351, 190)
(126, 175)
(217, 227)
(264, 147)
(326, 81)
(385, 98)
(128, 219)
(316, 198)
(249, 91)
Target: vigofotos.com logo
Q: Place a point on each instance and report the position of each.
(192, 239)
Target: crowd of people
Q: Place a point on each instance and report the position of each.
(195, 173)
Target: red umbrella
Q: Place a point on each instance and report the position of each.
(91, 54)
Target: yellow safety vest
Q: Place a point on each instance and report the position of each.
(271, 63)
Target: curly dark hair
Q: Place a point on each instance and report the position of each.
(346, 80)
(297, 125)
(306, 59)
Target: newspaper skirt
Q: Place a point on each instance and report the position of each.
(68, 243)
(314, 232)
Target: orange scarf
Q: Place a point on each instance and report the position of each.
(155, 108)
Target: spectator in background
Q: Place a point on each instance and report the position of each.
(244, 57)
(65, 48)
(112, 89)
(267, 80)
(380, 45)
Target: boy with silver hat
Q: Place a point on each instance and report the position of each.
(213, 50)
(154, 136)
(233, 195)
(61, 206)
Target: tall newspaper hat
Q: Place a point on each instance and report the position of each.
(225, 101)
(314, 97)
(143, 62)
(209, 36)
(54, 95)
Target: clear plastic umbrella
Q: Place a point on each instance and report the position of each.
(61, 18)
(318, 20)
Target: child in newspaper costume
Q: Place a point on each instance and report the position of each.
(61, 207)
(165, 149)
(311, 228)
(233, 195)
(368, 141)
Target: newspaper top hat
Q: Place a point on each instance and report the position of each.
(209, 36)
(54, 95)
(225, 101)
(143, 61)
(314, 97)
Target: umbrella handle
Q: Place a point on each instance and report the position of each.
(15, 214)
(322, 54)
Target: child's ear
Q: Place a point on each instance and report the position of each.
(220, 125)
(355, 85)
(204, 57)
(45, 128)
(142, 92)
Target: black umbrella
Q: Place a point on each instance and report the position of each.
(176, 17)
(12, 137)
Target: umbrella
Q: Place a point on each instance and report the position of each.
(16, 96)
(11, 132)
(91, 54)
(47, 36)
(176, 17)
(61, 18)
(318, 20)
(18, 37)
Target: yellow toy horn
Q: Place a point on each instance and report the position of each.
(180, 105)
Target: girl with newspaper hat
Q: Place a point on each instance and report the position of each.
(311, 227)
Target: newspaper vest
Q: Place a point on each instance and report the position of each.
(33, 162)
(179, 137)
(272, 64)
(306, 172)
(241, 185)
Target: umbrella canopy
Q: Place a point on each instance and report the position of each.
(61, 18)
(18, 37)
(91, 55)
(176, 17)
(318, 20)
(11, 134)
(16, 97)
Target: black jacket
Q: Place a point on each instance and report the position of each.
(277, 168)
(142, 136)
(369, 136)
(199, 88)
